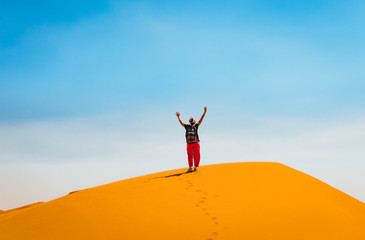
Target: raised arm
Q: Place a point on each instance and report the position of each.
(178, 117)
(201, 119)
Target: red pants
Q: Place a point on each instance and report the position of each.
(193, 152)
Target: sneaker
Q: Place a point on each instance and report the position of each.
(190, 169)
(195, 169)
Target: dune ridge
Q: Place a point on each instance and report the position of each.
(249, 200)
(20, 208)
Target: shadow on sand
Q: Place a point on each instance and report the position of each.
(173, 175)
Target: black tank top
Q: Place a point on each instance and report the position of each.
(191, 133)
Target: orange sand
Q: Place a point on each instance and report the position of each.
(16, 209)
(225, 201)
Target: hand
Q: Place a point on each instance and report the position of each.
(205, 108)
(177, 114)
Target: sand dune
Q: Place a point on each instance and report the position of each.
(224, 201)
(20, 208)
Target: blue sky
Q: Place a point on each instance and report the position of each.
(262, 57)
(84, 86)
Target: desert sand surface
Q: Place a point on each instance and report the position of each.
(19, 208)
(250, 200)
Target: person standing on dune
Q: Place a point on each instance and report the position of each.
(192, 140)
